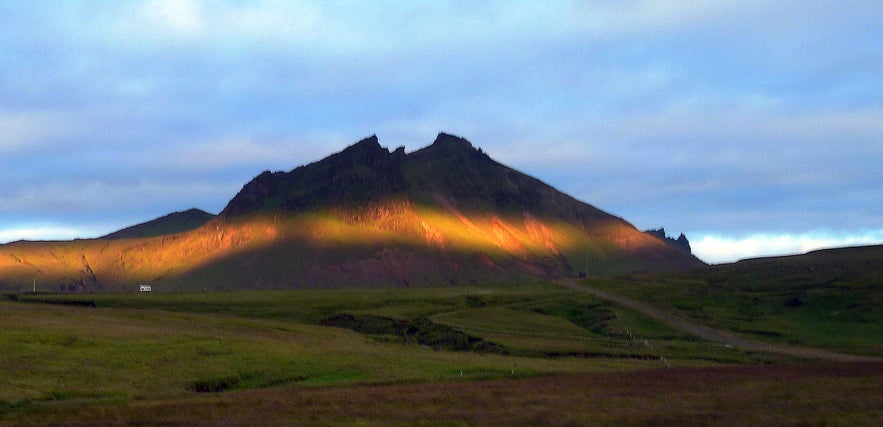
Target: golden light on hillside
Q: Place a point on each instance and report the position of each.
(518, 240)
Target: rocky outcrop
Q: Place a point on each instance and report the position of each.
(359, 175)
(450, 171)
(681, 243)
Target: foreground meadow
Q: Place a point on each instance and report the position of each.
(815, 394)
(163, 358)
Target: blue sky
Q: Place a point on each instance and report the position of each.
(755, 127)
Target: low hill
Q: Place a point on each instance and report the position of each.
(830, 298)
(447, 214)
(846, 268)
(173, 223)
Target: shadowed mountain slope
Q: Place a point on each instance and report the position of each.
(444, 215)
(362, 173)
(449, 173)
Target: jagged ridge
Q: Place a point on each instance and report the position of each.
(362, 173)
(680, 243)
(450, 171)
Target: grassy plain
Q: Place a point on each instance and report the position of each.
(270, 356)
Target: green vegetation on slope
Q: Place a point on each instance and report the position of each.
(831, 299)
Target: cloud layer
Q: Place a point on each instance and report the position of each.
(717, 118)
(717, 249)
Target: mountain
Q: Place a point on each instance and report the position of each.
(176, 222)
(450, 173)
(447, 214)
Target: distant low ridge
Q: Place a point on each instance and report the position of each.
(447, 214)
(176, 222)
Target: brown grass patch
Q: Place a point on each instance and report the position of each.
(797, 394)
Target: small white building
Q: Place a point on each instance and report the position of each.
(144, 288)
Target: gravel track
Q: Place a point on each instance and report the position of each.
(716, 334)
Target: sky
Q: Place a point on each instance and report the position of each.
(754, 127)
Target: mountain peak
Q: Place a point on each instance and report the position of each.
(370, 143)
(447, 139)
(450, 168)
(367, 152)
(447, 144)
(362, 173)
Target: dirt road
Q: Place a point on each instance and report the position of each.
(715, 334)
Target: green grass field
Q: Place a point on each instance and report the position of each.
(110, 353)
(828, 299)
(115, 348)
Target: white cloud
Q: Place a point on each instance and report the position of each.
(343, 29)
(229, 152)
(714, 248)
(21, 129)
(233, 23)
(47, 232)
(626, 17)
(99, 197)
(180, 16)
